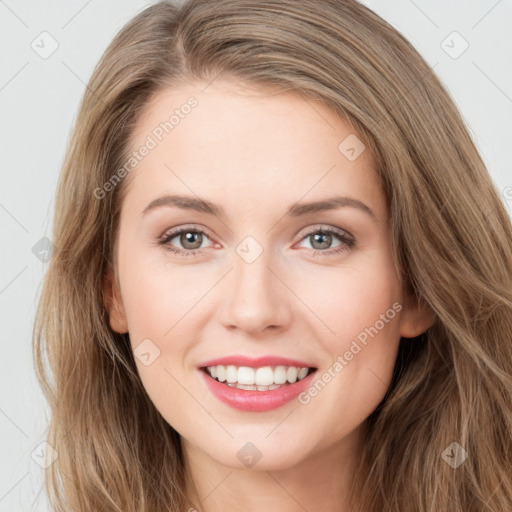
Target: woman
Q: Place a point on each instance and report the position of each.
(368, 370)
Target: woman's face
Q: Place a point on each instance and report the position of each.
(314, 287)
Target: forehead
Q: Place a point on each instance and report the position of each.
(229, 143)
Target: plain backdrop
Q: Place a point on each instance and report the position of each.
(39, 99)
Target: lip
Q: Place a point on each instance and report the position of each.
(257, 362)
(255, 401)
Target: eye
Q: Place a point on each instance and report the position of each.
(321, 238)
(190, 238)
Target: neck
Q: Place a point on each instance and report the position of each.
(321, 481)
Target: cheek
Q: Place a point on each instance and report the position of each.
(157, 296)
(159, 303)
(356, 299)
(362, 306)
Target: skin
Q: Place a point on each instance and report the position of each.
(255, 153)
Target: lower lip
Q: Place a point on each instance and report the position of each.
(256, 401)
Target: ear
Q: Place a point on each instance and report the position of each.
(114, 304)
(416, 317)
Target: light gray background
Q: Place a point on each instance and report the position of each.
(39, 99)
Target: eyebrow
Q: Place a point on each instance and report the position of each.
(295, 210)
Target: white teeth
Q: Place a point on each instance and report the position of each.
(220, 371)
(245, 375)
(291, 374)
(254, 387)
(231, 373)
(264, 376)
(280, 375)
(244, 386)
(262, 379)
(213, 371)
(302, 373)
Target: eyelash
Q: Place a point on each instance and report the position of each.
(347, 241)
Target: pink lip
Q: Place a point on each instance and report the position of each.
(256, 401)
(256, 362)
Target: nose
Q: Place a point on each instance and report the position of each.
(256, 299)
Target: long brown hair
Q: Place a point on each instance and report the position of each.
(450, 232)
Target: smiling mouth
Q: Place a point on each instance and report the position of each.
(265, 378)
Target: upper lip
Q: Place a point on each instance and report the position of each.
(258, 362)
